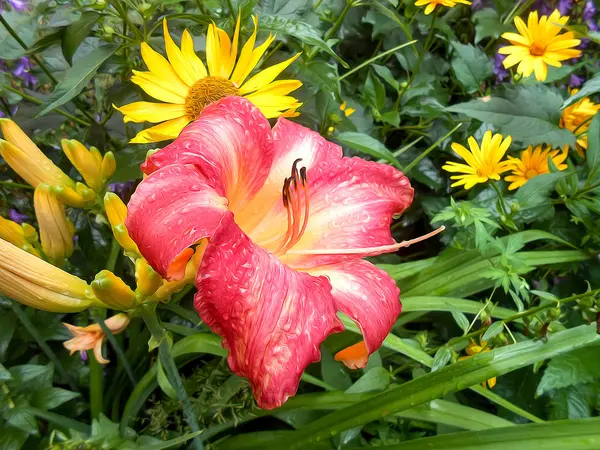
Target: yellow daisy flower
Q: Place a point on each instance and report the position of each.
(347, 110)
(473, 349)
(185, 85)
(577, 118)
(534, 162)
(482, 162)
(539, 44)
(432, 4)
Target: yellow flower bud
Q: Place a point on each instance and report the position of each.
(30, 233)
(36, 283)
(116, 211)
(108, 166)
(80, 197)
(148, 281)
(112, 291)
(27, 159)
(16, 234)
(56, 230)
(85, 161)
(92, 336)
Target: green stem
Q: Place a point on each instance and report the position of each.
(375, 58)
(426, 152)
(30, 327)
(115, 250)
(495, 398)
(39, 102)
(15, 185)
(585, 190)
(148, 313)
(125, 19)
(96, 387)
(505, 208)
(338, 23)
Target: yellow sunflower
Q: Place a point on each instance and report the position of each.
(539, 44)
(432, 4)
(482, 162)
(186, 87)
(534, 162)
(577, 117)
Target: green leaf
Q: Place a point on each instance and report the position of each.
(376, 379)
(30, 377)
(441, 358)
(460, 319)
(374, 92)
(171, 443)
(299, 30)
(50, 398)
(570, 403)
(530, 114)
(579, 366)
(387, 76)
(4, 374)
(590, 87)
(471, 66)
(25, 24)
(164, 384)
(494, 330)
(333, 372)
(433, 303)
(582, 434)
(12, 439)
(322, 76)
(453, 378)
(366, 144)
(592, 155)
(8, 323)
(488, 24)
(533, 196)
(76, 33)
(21, 419)
(77, 78)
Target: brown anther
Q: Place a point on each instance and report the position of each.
(303, 175)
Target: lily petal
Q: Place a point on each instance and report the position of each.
(272, 318)
(368, 296)
(229, 144)
(175, 206)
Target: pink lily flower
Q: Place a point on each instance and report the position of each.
(288, 221)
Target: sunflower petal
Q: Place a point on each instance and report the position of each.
(266, 76)
(166, 130)
(178, 62)
(151, 112)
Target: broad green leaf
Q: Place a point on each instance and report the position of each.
(453, 378)
(21, 419)
(164, 384)
(570, 403)
(4, 374)
(488, 24)
(590, 87)
(494, 330)
(8, 323)
(530, 114)
(432, 303)
(460, 319)
(25, 24)
(364, 143)
(50, 398)
(322, 76)
(471, 66)
(279, 25)
(592, 155)
(376, 379)
(582, 434)
(76, 32)
(533, 196)
(374, 92)
(172, 443)
(12, 439)
(579, 366)
(385, 73)
(45, 42)
(333, 372)
(77, 78)
(30, 377)
(292, 9)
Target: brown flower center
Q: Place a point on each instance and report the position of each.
(537, 50)
(206, 91)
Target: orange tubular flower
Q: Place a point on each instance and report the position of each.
(92, 336)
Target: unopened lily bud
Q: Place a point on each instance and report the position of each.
(25, 158)
(34, 282)
(80, 197)
(112, 291)
(116, 211)
(56, 230)
(16, 234)
(86, 162)
(148, 281)
(108, 166)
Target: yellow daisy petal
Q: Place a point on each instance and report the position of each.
(187, 48)
(160, 67)
(166, 130)
(176, 58)
(266, 76)
(151, 112)
(159, 88)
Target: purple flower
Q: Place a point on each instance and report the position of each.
(123, 190)
(543, 7)
(576, 80)
(16, 216)
(588, 16)
(22, 71)
(499, 70)
(83, 355)
(477, 5)
(17, 5)
(565, 7)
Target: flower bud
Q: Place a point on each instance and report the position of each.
(80, 197)
(108, 166)
(116, 211)
(56, 230)
(148, 281)
(87, 162)
(113, 292)
(25, 158)
(17, 235)
(34, 282)
(30, 233)
(554, 313)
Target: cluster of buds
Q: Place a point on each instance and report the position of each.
(53, 190)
